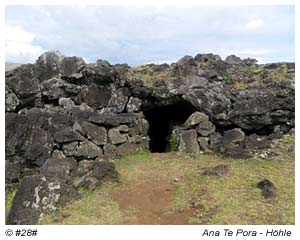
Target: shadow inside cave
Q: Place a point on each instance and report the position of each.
(163, 119)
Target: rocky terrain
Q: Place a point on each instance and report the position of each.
(66, 120)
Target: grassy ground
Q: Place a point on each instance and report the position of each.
(168, 188)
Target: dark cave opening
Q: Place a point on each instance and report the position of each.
(162, 119)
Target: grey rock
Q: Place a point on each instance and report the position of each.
(100, 73)
(96, 134)
(204, 144)
(133, 105)
(232, 59)
(58, 154)
(95, 96)
(119, 100)
(31, 145)
(205, 128)
(88, 150)
(70, 149)
(12, 172)
(115, 136)
(207, 57)
(61, 168)
(11, 101)
(66, 103)
(104, 171)
(196, 118)
(114, 120)
(272, 105)
(268, 188)
(215, 140)
(109, 149)
(84, 167)
(141, 128)
(233, 136)
(77, 127)
(67, 135)
(55, 88)
(188, 141)
(37, 195)
(47, 65)
(23, 83)
(38, 146)
(127, 148)
(82, 150)
(86, 182)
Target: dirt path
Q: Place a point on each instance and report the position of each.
(153, 202)
(152, 199)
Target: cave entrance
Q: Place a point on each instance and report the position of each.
(162, 119)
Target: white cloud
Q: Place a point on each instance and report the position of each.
(19, 46)
(255, 24)
(138, 35)
(254, 51)
(260, 60)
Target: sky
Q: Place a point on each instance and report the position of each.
(149, 34)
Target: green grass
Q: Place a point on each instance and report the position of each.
(233, 199)
(9, 197)
(149, 75)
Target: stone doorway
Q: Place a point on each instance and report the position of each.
(163, 119)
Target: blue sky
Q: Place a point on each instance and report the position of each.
(144, 34)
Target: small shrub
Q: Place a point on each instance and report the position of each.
(172, 144)
(227, 77)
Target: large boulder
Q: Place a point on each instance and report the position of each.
(232, 59)
(54, 64)
(188, 141)
(47, 65)
(95, 96)
(119, 99)
(94, 133)
(37, 147)
(104, 171)
(67, 135)
(29, 142)
(272, 105)
(128, 148)
(209, 99)
(55, 88)
(207, 57)
(118, 135)
(205, 128)
(204, 144)
(101, 73)
(232, 144)
(235, 135)
(196, 118)
(24, 84)
(82, 150)
(36, 195)
(61, 168)
(88, 150)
